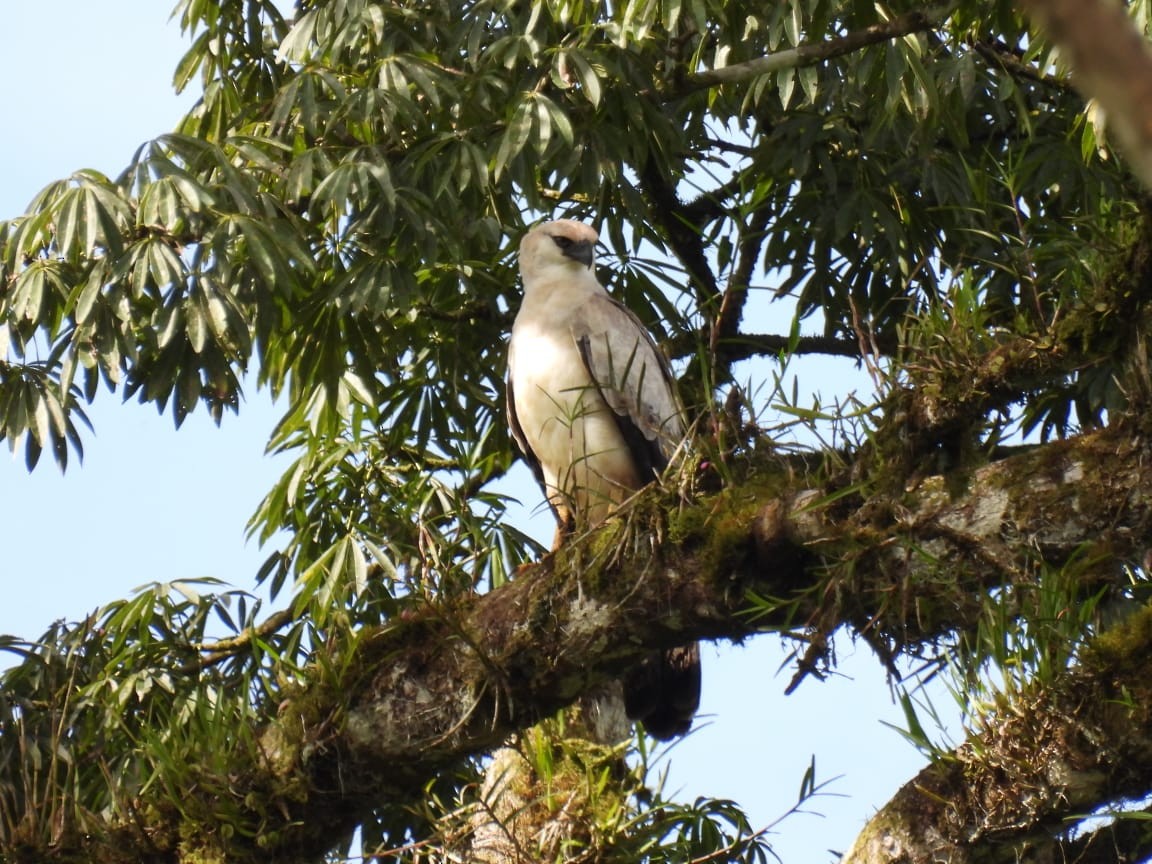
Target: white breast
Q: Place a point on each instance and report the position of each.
(585, 460)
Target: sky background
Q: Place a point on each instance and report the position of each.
(83, 85)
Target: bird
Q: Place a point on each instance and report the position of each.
(592, 407)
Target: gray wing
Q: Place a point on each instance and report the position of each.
(634, 379)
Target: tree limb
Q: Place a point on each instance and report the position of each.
(1002, 57)
(1056, 754)
(746, 345)
(817, 52)
(727, 323)
(1111, 63)
(420, 695)
(219, 650)
(684, 237)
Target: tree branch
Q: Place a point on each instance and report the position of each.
(745, 345)
(710, 204)
(727, 323)
(1059, 753)
(1111, 63)
(812, 53)
(420, 695)
(1002, 57)
(219, 650)
(684, 237)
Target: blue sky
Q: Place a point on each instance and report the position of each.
(83, 86)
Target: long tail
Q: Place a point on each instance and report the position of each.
(663, 691)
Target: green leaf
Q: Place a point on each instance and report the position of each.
(90, 217)
(195, 325)
(809, 77)
(91, 292)
(275, 250)
(794, 23)
(169, 323)
(160, 204)
(165, 266)
(392, 77)
(556, 119)
(430, 88)
(586, 75)
(28, 292)
(191, 62)
(515, 135)
(786, 84)
(298, 44)
(38, 411)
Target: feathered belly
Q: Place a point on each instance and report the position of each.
(586, 462)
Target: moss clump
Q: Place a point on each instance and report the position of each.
(716, 529)
(570, 799)
(1122, 650)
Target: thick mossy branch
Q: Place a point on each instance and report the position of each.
(1040, 764)
(424, 694)
(390, 711)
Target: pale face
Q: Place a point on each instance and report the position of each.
(563, 246)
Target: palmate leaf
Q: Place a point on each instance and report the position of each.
(91, 218)
(276, 251)
(32, 411)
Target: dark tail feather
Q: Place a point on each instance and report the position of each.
(663, 691)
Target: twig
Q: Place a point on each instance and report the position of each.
(214, 652)
(727, 323)
(745, 345)
(809, 54)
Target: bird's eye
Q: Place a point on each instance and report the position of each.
(562, 242)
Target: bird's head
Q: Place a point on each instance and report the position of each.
(561, 246)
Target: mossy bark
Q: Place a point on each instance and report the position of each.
(421, 696)
(1061, 750)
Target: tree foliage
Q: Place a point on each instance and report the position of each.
(919, 187)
